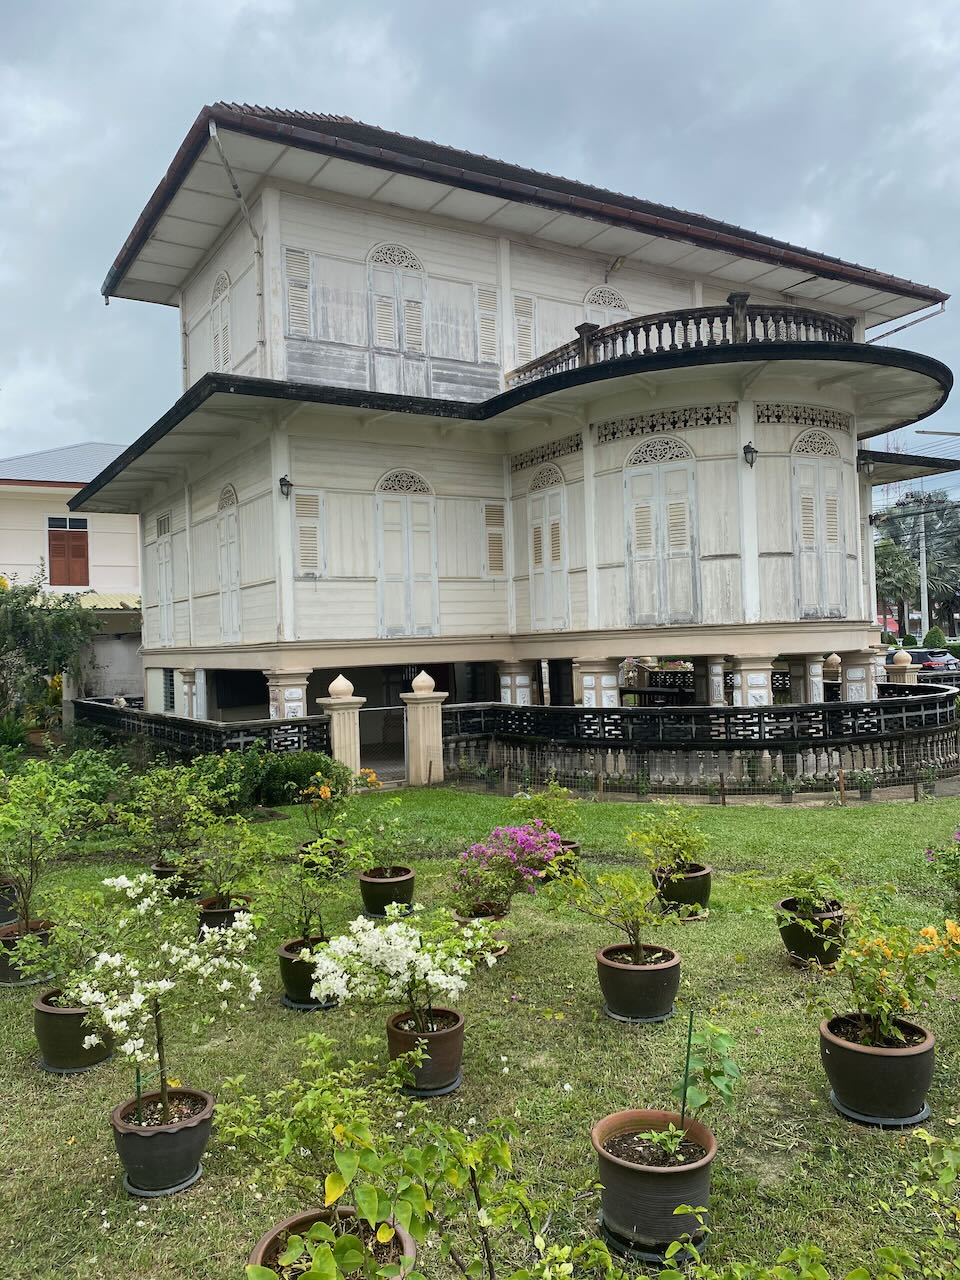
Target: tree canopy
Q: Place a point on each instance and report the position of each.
(41, 634)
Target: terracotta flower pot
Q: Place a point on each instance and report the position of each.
(382, 885)
(886, 1087)
(297, 976)
(638, 1201)
(215, 916)
(160, 1160)
(440, 1071)
(271, 1244)
(685, 888)
(60, 1034)
(482, 915)
(638, 992)
(820, 944)
(8, 902)
(10, 975)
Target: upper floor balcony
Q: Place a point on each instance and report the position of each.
(691, 329)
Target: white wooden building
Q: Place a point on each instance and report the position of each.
(404, 441)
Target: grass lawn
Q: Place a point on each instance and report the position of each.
(537, 1048)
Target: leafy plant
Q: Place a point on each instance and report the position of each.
(620, 901)
(710, 1073)
(509, 861)
(935, 639)
(945, 861)
(168, 813)
(226, 859)
(299, 893)
(41, 634)
(862, 779)
(814, 889)
(555, 807)
(669, 841)
(669, 1140)
(385, 836)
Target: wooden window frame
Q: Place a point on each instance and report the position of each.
(75, 532)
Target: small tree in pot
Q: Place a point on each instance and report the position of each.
(166, 818)
(229, 854)
(639, 981)
(880, 1065)
(671, 842)
(415, 962)
(163, 969)
(863, 780)
(655, 1165)
(557, 809)
(388, 879)
(509, 861)
(810, 915)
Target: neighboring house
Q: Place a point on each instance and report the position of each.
(444, 411)
(97, 555)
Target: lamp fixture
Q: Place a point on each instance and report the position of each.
(750, 453)
(286, 486)
(866, 465)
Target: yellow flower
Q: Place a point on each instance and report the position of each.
(929, 932)
(953, 930)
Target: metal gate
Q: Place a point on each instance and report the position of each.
(383, 742)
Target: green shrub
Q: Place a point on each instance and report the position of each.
(954, 650)
(286, 774)
(887, 637)
(934, 639)
(13, 732)
(909, 641)
(235, 777)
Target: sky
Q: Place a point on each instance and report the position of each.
(832, 125)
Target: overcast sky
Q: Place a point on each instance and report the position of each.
(834, 125)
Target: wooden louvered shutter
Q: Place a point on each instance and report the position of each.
(78, 557)
(308, 547)
(643, 569)
(413, 329)
(488, 327)
(808, 521)
(523, 327)
(538, 546)
(494, 524)
(807, 537)
(834, 550)
(556, 552)
(59, 563)
(297, 268)
(642, 529)
(679, 595)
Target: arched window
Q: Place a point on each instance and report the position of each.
(397, 320)
(819, 536)
(546, 518)
(220, 324)
(604, 306)
(407, 555)
(662, 579)
(228, 548)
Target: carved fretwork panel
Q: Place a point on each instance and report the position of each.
(802, 415)
(561, 448)
(641, 424)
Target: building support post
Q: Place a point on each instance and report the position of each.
(518, 683)
(813, 668)
(753, 682)
(858, 674)
(600, 678)
(287, 694)
(189, 679)
(717, 692)
(344, 712)
(424, 732)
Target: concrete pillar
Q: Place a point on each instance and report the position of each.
(518, 682)
(287, 694)
(701, 681)
(753, 682)
(344, 712)
(858, 675)
(716, 691)
(813, 666)
(424, 732)
(903, 670)
(879, 652)
(601, 681)
(189, 679)
(797, 668)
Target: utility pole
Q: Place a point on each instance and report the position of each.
(924, 595)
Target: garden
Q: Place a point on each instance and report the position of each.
(263, 1018)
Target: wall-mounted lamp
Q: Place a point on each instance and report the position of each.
(866, 465)
(750, 452)
(286, 486)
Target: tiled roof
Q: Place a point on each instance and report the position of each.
(105, 600)
(77, 463)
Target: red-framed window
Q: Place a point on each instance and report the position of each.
(68, 551)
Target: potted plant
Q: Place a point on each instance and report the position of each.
(86, 925)
(655, 1164)
(165, 818)
(325, 794)
(712, 790)
(639, 980)
(671, 842)
(945, 861)
(810, 915)
(508, 861)
(387, 879)
(40, 810)
(415, 962)
(164, 969)
(928, 775)
(863, 780)
(557, 809)
(227, 857)
(787, 790)
(300, 895)
(878, 1063)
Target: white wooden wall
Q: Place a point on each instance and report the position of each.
(112, 539)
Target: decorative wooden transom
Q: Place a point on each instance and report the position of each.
(817, 444)
(221, 285)
(802, 415)
(396, 255)
(604, 296)
(659, 449)
(228, 497)
(546, 478)
(403, 482)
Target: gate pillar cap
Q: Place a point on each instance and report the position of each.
(902, 659)
(340, 687)
(422, 683)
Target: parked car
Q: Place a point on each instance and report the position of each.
(929, 659)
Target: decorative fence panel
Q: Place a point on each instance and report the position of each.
(199, 737)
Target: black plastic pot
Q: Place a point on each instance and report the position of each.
(60, 1034)
(638, 992)
(161, 1160)
(814, 939)
(10, 975)
(214, 916)
(866, 793)
(638, 1202)
(270, 1245)
(297, 976)
(380, 886)
(177, 881)
(878, 1086)
(930, 788)
(690, 887)
(440, 1071)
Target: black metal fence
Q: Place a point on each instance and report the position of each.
(199, 737)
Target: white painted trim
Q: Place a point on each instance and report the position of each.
(284, 527)
(590, 527)
(749, 533)
(508, 348)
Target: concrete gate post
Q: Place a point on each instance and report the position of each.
(344, 712)
(424, 732)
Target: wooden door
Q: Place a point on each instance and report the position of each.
(409, 596)
(548, 561)
(228, 537)
(819, 542)
(661, 556)
(164, 551)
